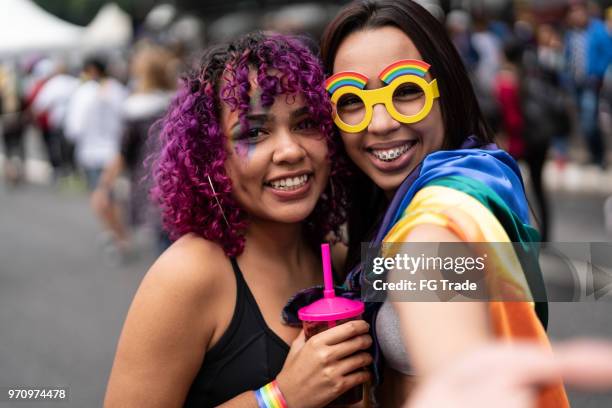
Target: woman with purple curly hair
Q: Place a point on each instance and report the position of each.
(244, 177)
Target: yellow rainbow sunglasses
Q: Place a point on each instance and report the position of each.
(408, 97)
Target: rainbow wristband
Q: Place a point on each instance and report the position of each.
(270, 396)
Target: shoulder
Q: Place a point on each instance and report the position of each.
(191, 248)
(192, 266)
(482, 164)
(191, 277)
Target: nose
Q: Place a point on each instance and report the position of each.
(288, 149)
(382, 123)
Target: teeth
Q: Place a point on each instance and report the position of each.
(289, 183)
(391, 154)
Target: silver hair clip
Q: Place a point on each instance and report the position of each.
(217, 200)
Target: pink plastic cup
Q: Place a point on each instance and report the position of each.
(329, 312)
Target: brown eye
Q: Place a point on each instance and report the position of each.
(407, 92)
(350, 102)
(252, 135)
(307, 124)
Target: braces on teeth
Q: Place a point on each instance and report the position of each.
(390, 155)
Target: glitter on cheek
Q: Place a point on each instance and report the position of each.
(251, 150)
(240, 145)
(243, 148)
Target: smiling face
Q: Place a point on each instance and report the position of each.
(386, 150)
(278, 165)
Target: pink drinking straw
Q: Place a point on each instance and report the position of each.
(331, 308)
(328, 279)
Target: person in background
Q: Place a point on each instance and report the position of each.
(153, 89)
(458, 24)
(508, 94)
(587, 50)
(607, 81)
(41, 72)
(607, 97)
(550, 64)
(94, 123)
(12, 124)
(489, 49)
(529, 106)
(53, 99)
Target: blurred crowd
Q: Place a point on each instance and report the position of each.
(541, 83)
(94, 123)
(544, 85)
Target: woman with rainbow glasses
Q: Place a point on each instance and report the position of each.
(426, 170)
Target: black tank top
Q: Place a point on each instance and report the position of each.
(248, 355)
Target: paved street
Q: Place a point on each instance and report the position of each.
(62, 302)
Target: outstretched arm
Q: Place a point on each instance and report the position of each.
(436, 333)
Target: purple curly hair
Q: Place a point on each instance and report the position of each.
(193, 146)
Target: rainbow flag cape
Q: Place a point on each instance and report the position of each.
(477, 193)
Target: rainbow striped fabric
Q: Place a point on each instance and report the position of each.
(479, 196)
(270, 396)
(346, 78)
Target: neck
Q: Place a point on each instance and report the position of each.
(281, 244)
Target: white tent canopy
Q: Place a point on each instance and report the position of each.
(111, 28)
(25, 27)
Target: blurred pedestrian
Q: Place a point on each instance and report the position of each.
(550, 65)
(607, 81)
(12, 124)
(459, 26)
(151, 69)
(587, 55)
(528, 116)
(94, 123)
(53, 99)
(507, 91)
(41, 72)
(489, 49)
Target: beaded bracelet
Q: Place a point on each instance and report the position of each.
(270, 396)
